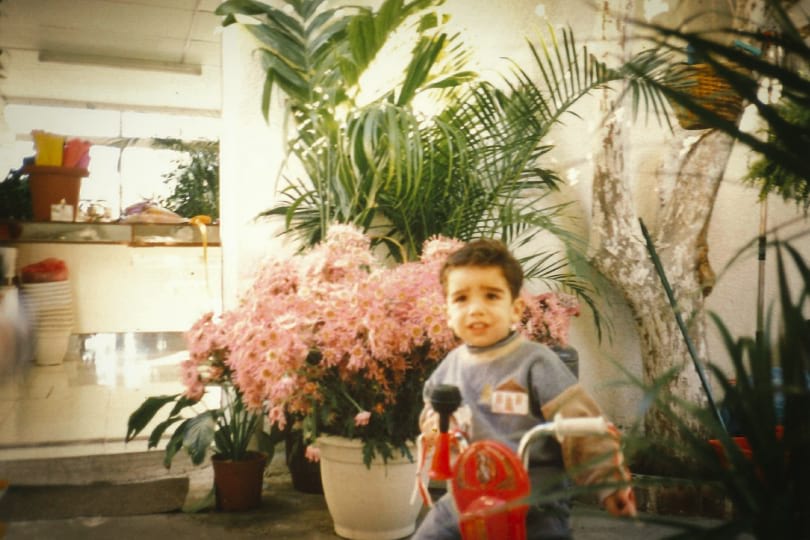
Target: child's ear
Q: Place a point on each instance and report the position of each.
(518, 307)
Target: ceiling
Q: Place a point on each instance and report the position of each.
(172, 32)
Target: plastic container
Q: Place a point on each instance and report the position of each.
(49, 147)
(51, 347)
(52, 185)
(76, 153)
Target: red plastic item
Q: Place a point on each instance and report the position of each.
(76, 153)
(742, 444)
(44, 271)
(488, 484)
(440, 467)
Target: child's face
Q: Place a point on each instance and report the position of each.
(480, 308)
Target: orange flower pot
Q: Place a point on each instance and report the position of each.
(238, 484)
(742, 444)
(52, 185)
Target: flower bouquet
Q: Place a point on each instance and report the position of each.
(342, 343)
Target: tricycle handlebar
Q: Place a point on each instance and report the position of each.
(560, 428)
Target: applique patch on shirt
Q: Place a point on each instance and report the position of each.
(510, 398)
(486, 394)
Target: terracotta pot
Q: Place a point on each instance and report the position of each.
(238, 484)
(742, 444)
(51, 185)
(305, 474)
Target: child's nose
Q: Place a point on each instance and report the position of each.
(476, 307)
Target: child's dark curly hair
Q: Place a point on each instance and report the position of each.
(485, 252)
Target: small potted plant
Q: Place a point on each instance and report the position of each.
(227, 429)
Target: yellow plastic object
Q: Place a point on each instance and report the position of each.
(200, 221)
(49, 148)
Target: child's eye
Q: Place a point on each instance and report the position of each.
(459, 299)
(493, 296)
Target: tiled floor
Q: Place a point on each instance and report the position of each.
(81, 406)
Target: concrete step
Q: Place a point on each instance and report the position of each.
(90, 469)
(100, 485)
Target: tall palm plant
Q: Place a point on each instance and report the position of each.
(468, 170)
(348, 154)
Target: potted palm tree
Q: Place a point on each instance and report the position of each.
(195, 179)
(465, 167)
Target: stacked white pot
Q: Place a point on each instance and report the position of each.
(50, 306)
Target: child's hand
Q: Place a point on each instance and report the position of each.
(429, 425)
(621, 502)
(429, 422)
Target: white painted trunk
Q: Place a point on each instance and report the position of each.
(686, 185)
(678, 233)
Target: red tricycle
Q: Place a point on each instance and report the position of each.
(489, 482)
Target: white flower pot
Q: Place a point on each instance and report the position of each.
(367, 504)
(51, 346)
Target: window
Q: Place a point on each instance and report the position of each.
(125, 168)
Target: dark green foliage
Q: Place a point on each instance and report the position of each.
(195, 182)
(15, 197)
(227, 429)
(772, 176)
(771, 490)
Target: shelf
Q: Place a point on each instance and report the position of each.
(132, 234)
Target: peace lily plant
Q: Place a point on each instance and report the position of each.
(226, 429)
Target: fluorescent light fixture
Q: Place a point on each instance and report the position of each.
(119, 62)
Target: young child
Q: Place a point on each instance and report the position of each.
(482, 283)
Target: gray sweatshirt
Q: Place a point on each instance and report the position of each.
(514, 385)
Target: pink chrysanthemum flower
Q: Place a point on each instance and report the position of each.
(362, 418)
(313, 453)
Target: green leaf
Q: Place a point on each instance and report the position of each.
(175, 444)
(268, 441)
(145, 412)
(157, 433)
(199, 434)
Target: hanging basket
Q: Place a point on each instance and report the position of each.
(702, 84)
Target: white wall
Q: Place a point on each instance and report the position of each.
(117, 288)
(251, 156)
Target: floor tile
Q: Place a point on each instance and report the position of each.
(81, 406)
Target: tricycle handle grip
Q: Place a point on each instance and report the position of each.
(560, 428)
(445, 399)
(577, 427)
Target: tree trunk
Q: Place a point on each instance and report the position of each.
(687, 184)
(619, 252)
